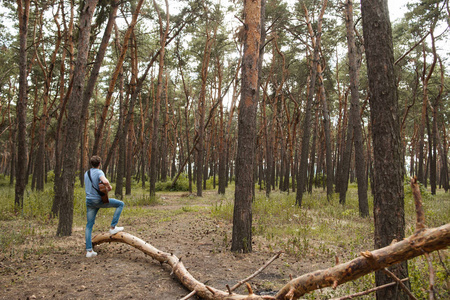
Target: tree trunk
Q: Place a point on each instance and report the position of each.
(200, 161)
(355, 133)
(90, 85)
(63, 96)
(135, 87)
(23, 8)
(222, 152)
(84, 151)
(164, 138)
(268, 146)
(326, 129)
(47, 70)
(12, 142)
(425, 78)
(433, 137)
(120, 167)
(112, 83)
(186, 119)
(163, 32)
(302, 174)
(431, 158)
(143, 116)
(242, 215)
(444, 169)
(313, 153)
(129, 161)
(388, 191)
(73, 123)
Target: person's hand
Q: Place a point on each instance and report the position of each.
(109, 187)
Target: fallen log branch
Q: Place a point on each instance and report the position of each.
(201, 290)
(424, 241)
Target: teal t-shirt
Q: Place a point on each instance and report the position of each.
(91, 193)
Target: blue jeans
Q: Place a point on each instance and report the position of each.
(92, 207)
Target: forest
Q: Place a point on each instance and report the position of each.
(262, 97)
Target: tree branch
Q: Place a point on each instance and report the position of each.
(400, 283)
(256, 273)
(368, 291)
(425, 241)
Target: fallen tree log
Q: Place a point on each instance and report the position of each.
(421, 242)
(177, 266)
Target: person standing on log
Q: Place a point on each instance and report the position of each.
(94, 202)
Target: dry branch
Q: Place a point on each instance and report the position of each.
(400, 283)
(420, 215)
(432, 276)
(368, 291)
(256, 273)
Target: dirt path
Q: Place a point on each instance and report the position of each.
(122, 272)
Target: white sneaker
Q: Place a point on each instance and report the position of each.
(115, 230)
(91, 254)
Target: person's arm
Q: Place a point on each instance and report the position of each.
(106, 182)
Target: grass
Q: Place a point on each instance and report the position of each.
(320, 230)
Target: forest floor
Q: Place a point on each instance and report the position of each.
(35, 264)
(46, 266)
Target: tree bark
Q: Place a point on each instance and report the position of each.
(90, 85)
(425, 78)
(242, 215)
(129, 161)
(433, 137)
(101, 124)
(186, 119)
(302, 173)
(200, 161)
(164, 138)
(354, 132)
(313, 152)
(23, 8)
(120, 166)
(326, 129)
(222, 145)
(63, 97)
(47, 70)
(388, 191)
(73, 123)
(157, 103)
